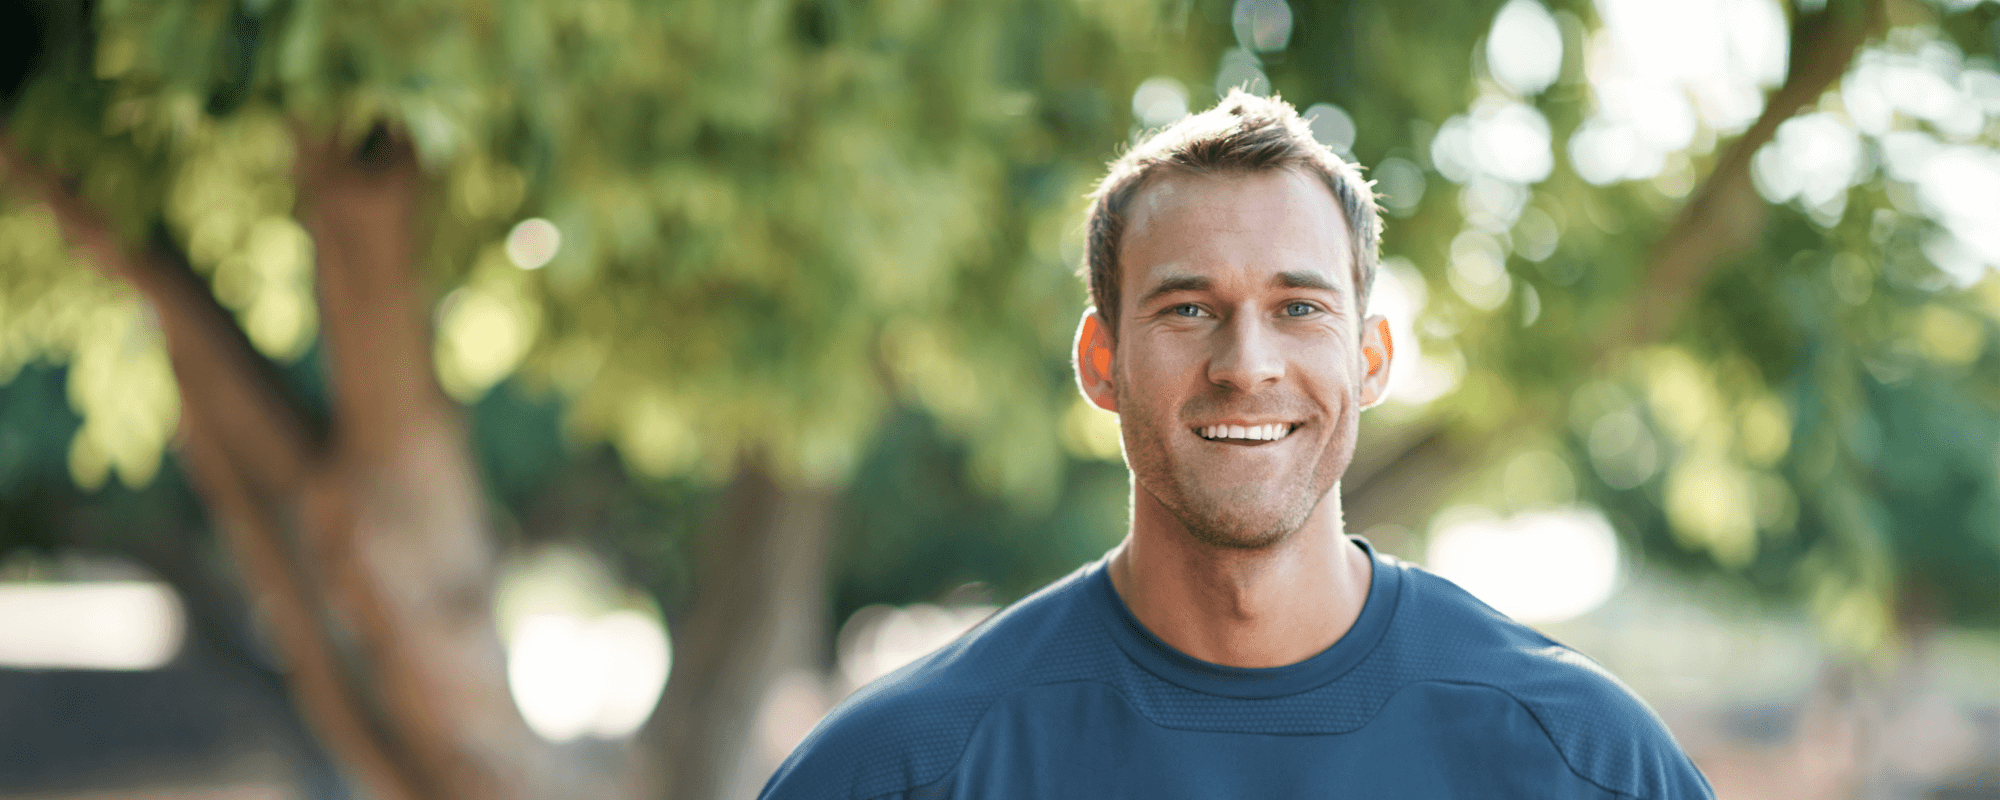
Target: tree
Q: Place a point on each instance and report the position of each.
(750, 273)
(1786, 354)
(781, 225)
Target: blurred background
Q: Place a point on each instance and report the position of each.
(526, 399)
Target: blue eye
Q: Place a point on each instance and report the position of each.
(1299, 309)
(1186, 310)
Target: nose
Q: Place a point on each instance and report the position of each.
(1247, 356)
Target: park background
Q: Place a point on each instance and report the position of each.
(529, 399)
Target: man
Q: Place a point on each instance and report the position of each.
(1238, 643)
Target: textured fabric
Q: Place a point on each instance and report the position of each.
(1431, 694)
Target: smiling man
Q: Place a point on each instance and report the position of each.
(1238, 643)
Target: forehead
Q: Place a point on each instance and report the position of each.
(1234, 229)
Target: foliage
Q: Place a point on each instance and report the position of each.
(775, 221)
(1818, 424)
(814, 229)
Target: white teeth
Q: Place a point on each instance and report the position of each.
(1262, 433)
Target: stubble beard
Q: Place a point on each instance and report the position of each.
(1227, 519)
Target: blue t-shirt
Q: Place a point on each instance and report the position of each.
(1431, 694)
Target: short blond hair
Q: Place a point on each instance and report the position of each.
(1242, 134)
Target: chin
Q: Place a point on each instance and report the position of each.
(1239, 539)
(1241, 525)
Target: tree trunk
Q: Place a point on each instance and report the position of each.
(365, 547)
(222, 630)
(393, 517)
(759, 611)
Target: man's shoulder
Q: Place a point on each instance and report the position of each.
(908, 728)
(1452, 635)
(1601, 728)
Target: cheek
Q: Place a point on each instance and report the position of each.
(1331, 365)
(1148, 370)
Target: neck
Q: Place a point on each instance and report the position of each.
(1262, 607)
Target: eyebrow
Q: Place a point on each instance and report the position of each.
(1178, 283)
(1295, 279)
(1303, 280)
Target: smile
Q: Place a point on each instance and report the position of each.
(1247, 433)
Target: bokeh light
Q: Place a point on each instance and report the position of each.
(1660, 71)
(1501, 138)
(1399, 296)
(1536, 234)
(1815, 158)
(1478, 272)
(1240, 69)
(1536, 567)
(1261, 25)
(879, 639)
(573, 676)
(585, 656)
(1525, 50)
(486, 326)
(1332, 126)
(99, 625)
(533, 242)
(1400, 184)
(1159, 101)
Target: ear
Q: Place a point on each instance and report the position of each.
(1093, 362)
(1378, 349)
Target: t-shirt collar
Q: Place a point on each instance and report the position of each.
(1162, 659)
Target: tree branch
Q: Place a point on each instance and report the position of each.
(361, 206)
(323, 686)
(398, 521)
(224, 381)
(246, 446)
(1726, 214)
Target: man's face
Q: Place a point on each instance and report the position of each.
(1239, 374)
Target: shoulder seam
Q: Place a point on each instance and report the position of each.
(963, 745)
(1560, 752)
